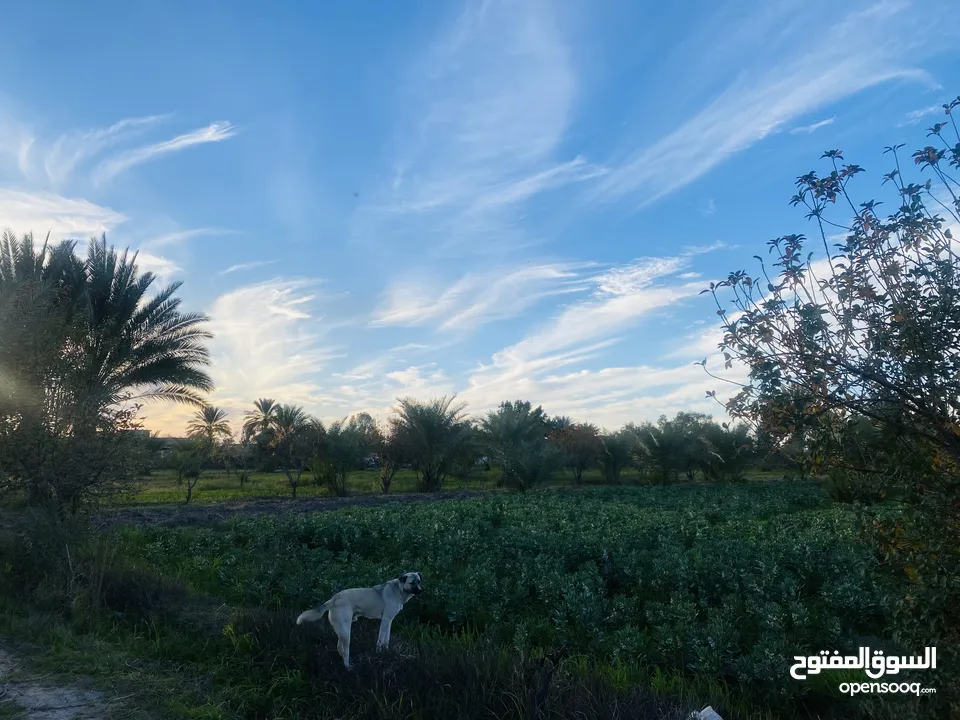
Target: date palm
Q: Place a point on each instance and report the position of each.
(260, 419)
(288, 422)
(210, 424)
(134, 345)
(115, 342)
(290, 438)
(431, 430)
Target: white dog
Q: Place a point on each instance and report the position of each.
(380, 602)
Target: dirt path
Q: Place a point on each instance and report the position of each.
(171, 515)
(39, 698)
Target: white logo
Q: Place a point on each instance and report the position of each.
(875, 667)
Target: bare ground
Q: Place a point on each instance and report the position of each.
(191, 515)
(40, 698)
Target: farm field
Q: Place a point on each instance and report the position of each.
(217, 485)
(659, 599)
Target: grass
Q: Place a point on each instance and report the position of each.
(218, 486)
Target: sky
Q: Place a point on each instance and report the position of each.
(502, 200)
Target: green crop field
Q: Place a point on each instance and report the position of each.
(691, 595)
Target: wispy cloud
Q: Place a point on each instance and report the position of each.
(246, 266)
(164, 269)
(479, 134)
(71, 148)
(581, 333)
(916, 116)
(215, 132)
(476, 298)
(614, 395)
(862, 50)
(180, 236)
(516, 191)
(623, 295)
(61, 217)
(378, 366)
(807, 129)
(269, 341)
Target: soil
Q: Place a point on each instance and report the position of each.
(210, 513)
(41, 698)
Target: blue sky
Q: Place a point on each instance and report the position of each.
(499, 199)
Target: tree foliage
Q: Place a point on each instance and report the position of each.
(343, 448)
(209, 424)
(82, 342)
(431, 431)
(859, 352)
(580, 445)
(516, 436)
(618, 452)
(390, 448)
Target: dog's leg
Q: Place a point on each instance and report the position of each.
(341, 626)
(383, 640)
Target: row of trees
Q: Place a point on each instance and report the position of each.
(83, 343)
(438, 441)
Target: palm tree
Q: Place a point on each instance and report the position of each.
(122, 344)
(516, 435)
(135, 344)
(290, 432)
(80, 337)
(431, 431)
(289, 421)
(22, 262)
(261, 418)
(209, 423)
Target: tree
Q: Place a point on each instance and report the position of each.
(580, 445)
(467, 452)
(188, 460)
(289, 438)
(685, 437)
(260, 419)
(345, 446)
(209, 424)
(364, 424)
(391, 446)
(239, 455)
(516, 435)
(618, 451)
(660, 449)
(132, 345)
(869, 331)
(430, 432)
(82, 343)
(729, 451)
(150, 453)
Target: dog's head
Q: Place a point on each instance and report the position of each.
(411, 582)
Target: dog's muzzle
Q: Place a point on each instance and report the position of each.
(416, 590)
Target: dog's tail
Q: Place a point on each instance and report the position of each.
(313, 615)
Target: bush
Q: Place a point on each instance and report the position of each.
(140, 594)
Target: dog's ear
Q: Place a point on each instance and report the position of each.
(403, 579)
